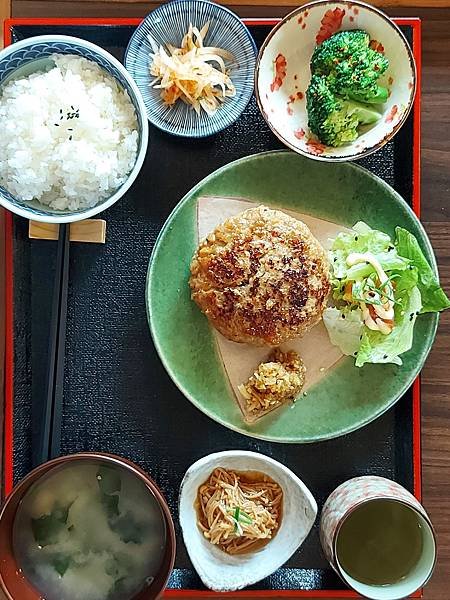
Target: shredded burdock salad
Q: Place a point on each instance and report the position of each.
(194, 73)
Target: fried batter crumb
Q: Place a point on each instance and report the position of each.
(274, 382)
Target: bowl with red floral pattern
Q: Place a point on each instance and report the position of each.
(335, 81)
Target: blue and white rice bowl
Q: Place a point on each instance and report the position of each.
(168, 24)
(34, 55)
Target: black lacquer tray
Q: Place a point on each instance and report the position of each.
(117, 396)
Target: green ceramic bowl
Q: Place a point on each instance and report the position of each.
(349, 397)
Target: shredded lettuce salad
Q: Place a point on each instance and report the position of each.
(379, 289)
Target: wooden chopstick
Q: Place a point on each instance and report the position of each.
(49, 439)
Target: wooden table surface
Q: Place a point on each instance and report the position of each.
(435, 216)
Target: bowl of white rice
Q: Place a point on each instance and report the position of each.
(74, 130)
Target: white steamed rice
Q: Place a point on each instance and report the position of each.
(64, 161)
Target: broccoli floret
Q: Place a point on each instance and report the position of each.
(338, 47)
(374, 94)
(351, 66)
(334, 120)
(357, 76)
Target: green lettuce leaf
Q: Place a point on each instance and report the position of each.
(416, 290)
(345, 328)
(433, 296)
(378, 348)
(364, 239)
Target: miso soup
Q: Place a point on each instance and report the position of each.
(89, 531)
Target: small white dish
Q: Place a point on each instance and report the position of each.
(220, 571)
(282, 101)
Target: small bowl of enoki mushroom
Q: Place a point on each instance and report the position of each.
(193, 62)
(243, 515)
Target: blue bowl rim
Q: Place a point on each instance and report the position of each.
(143, 134)
(161, 8)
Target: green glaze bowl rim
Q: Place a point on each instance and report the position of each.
(261, 436)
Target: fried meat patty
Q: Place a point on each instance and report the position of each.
(261, 277)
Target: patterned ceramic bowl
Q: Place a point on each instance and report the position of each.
(32, 55)
(168, 24)
(225, 572)
(283, 74)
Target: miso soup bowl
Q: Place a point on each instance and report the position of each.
(12, 581)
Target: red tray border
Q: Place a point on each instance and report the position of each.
(413, 22)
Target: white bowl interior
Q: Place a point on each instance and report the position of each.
(285, 108)
(220, 571)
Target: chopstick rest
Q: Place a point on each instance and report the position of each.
(91, 231)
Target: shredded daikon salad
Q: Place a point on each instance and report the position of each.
(188, 73)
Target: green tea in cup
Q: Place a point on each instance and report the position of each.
(384, 548)
(378, 538)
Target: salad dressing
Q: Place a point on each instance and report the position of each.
(384, 311)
